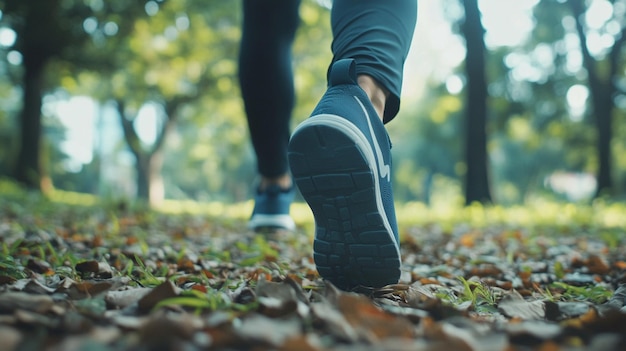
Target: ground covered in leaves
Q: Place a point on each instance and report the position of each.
(115, 277)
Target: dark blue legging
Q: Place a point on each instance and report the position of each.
(376, 33)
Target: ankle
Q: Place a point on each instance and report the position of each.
(376, 93)
(283, 181)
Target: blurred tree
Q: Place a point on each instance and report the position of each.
(581, 44)
(7, 128)
(209, 157)
(603, 72)
(529, 126)
(477, 188)
(181, 60)
(170, 59)
(427, 144)
(53, 158)
(49, 31)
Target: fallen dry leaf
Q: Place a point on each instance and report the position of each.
(164, 291)
(513, 305)
(370, 321)
(13, 301)
(499, 287)
(119, 299)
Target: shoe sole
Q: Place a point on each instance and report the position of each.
(335, 170)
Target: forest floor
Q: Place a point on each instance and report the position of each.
(113, 276)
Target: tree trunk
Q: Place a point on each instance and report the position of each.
(476, 177)
(142, 164)
(603, 120)
(149, 180)
(148, 162)
(27, 168)
(601, 91)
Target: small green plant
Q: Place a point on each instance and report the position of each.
(212, 300)
(260, 250)
(145, 275)
(479, 294)
(559, 271)
(10, 268)
(595, 293)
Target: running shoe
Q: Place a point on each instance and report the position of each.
(271, 209)
(340, 159)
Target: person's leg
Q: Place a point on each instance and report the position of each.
(340, 157)
(377, 35)
(266, 81)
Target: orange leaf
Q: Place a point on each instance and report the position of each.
(620, 265)
(131, 240)
(597, 265)
(549, 346)
(468, 239)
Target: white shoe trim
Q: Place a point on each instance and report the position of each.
(271, 220)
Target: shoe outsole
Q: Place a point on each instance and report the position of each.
(353, 244)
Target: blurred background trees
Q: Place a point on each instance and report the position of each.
(140, 99)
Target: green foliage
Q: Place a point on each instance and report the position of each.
(478, 293)
(9, 267)
(212, 300)
(183, 53)
(596, 294)
(258, 251)
(427, 145)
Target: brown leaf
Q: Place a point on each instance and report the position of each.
(223, 336)
(94, 268)
(162, 332)
(548, 346)
(469, 239)
(39, 266)
(332, 321)
(370, 320)
(620, 265)
(513, 305)
(10, 337)
(87, 267)
(435, 332)
(36, 319)
(5, 279)
(74, 322)
(476, 336)
(278, 299)
(581, 320)
(84, 289)
(419, 295)
(12, 301)
(158, 294)
(302, 343)
(273, 331)
(597, 265)
(187, 265)
(486, 270)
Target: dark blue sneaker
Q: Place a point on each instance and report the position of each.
(271, 209)
(341, 161)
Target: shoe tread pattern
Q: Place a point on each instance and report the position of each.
(351, 247)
